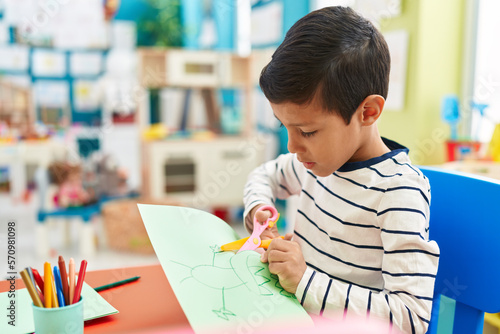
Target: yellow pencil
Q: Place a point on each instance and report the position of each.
(47, 288)
(31, 289)
(55, 302)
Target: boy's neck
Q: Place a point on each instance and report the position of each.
(370, 148)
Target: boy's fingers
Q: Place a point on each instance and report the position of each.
(286, 242)
(260, 250)
(277, 268)
(263, 257)
(283, 244)
(277, 256)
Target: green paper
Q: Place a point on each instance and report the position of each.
(217, 290)
(94, 306)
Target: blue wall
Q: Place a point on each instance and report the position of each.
(292, 11)
(131, 10)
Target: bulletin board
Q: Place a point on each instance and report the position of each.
(44, 42)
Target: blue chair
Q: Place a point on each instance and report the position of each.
(465, 222)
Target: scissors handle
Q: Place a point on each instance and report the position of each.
(254, 240)
(269, 222)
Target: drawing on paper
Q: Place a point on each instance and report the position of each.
(241, 271)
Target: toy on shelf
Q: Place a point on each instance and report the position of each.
(68, 178)
(480, 107)
(105, 175)
(110, 8)
(459, 148)
(494, 146)
(16, 111)
(4, 179)
(155, 132)
(450, 112)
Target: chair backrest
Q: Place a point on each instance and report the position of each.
(465, 222)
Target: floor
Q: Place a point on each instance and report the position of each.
(24, 215)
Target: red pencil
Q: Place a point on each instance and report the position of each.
(64, 279)
(38, 278)
(38, 281)
(79, 284)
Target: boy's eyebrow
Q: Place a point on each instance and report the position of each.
(293, 124)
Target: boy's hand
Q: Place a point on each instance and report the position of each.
(262, 216)
(286, 260)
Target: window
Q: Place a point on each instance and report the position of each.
(484, 71)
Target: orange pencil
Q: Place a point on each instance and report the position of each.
(47, 291)
(71, 280)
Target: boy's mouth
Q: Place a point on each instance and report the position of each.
(308, 165)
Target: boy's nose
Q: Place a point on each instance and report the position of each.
(294, 145)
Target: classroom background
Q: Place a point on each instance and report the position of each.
(106, 104)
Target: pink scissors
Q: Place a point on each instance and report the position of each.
(254, 241)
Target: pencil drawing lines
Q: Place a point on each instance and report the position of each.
(242, 269)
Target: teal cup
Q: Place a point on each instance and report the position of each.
(60, 320)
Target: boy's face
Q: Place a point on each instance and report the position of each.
(322, 141)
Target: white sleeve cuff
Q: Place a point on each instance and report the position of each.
(304, 285)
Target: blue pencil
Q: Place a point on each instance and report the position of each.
(59, 289)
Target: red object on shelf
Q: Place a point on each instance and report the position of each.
(128, 118)
(460, 150)
(221, 213)
(111, 8)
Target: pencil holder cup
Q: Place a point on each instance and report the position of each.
(59, 320)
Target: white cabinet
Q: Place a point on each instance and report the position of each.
(202, 173)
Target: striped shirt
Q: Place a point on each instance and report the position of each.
(364, 234)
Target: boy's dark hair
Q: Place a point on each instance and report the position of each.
(332, 52)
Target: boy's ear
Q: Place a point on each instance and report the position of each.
(371, 109)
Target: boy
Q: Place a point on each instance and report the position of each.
(360, 243)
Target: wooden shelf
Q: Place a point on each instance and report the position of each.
(192, 68)
(205, 70)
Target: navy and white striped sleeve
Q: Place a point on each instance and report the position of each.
(277, 178)
(409, 268)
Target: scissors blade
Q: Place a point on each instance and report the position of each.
(234, 245)
(252, 243)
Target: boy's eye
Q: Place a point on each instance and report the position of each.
(307, 134)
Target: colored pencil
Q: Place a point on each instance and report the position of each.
(79, 284)
(59, 290)
(71, 280)
(33, 280)
(38, 279)
(112, 285)
(31, 289)
(47, 292)
(64, 279)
